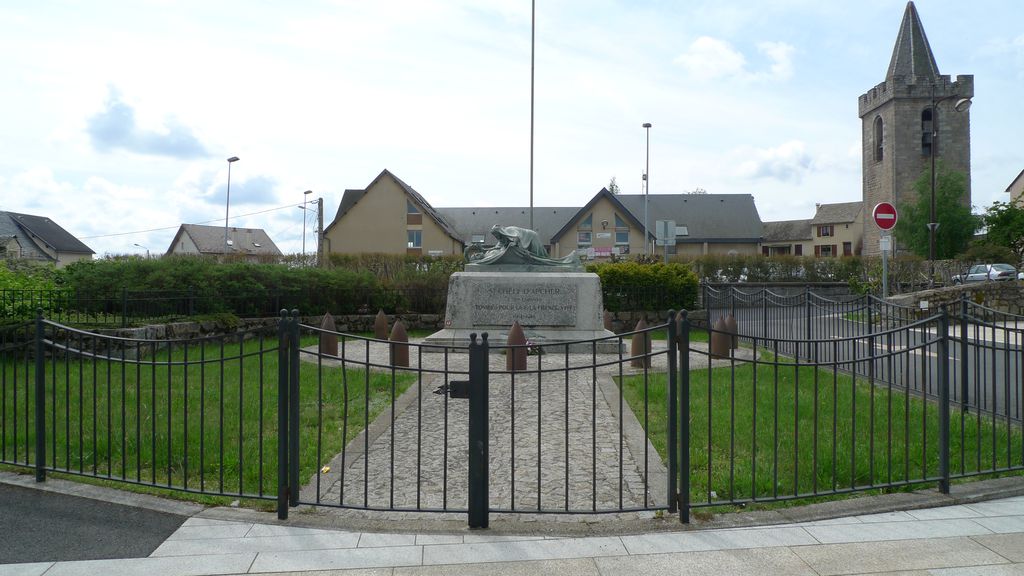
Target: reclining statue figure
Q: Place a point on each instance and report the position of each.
(517, 248)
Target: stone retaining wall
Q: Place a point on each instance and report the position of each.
(1005, 296)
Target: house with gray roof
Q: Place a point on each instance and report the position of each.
(29, 237)
(787, 238)
(473, 225)
(251, 244)
(390, 217)
(838, 229)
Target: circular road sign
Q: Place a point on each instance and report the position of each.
(884, 215)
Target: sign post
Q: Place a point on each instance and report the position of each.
(665, 235)
(885, 217)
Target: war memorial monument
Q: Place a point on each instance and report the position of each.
(515, 280)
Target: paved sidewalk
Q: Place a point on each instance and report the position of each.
(980, 538)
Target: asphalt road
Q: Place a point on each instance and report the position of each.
(38, 526)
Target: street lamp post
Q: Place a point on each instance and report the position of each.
(305, 200)
(961, 105)
(647, 182)
(227, 203)
(144, 248)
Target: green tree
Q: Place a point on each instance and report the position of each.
(613, 186)
(1005, 224)
(957, 224)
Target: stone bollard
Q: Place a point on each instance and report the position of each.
(399, 345)
(328, 338)
(733, 330)
(515, 358)
(720, 340)
(640, 346)
(380, 326)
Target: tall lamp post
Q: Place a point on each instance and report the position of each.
(961, 105)
(227, 203)
(647, 183)
(305, 200)
(144, 248)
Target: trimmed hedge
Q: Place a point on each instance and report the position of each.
(651, 287)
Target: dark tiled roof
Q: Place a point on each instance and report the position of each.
(50, 233)
(787, 230)
(912, 56)
(839, 213)
(470, 221)
(707, 217)
(210, 240)
(614, 199)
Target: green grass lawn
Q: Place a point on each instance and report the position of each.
(204, 427)
(754, 438)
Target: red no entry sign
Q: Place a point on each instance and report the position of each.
(884, 215)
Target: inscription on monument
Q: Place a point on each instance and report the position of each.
(532, 304)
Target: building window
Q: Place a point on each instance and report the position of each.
(587, 223)
(478, 238)
(847, 248)
(415, 238)
(825, 230)
(584, 239)
(825, 251)
(879, 135)
(412, 214)
(926, 132)
(798, 250)
(621, 231)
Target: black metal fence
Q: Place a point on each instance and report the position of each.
(815, 398)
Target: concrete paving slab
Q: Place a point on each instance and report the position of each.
(886, 517)
(354, 572)
(263, 544)
(573, 567)
(1002, 570)
(520, 551)
(485, 538)
(206, 532)
(267, 530)
(896, 531)
(757, 562)
(1011, 507)
(944, 512)
(27, 569)
(185, 566)
(378, 540)
(337, 559)
(1009, 546)
(717, 540)
(196, 521)
(433, 539)
(1002, 524)
(857, 558)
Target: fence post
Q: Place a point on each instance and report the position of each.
(871, 342)
(964, 388)
(40, 400)
(293, 409)
(943, 373)
(283, 345)
(673, 414)
(479, 496)
(684, 418)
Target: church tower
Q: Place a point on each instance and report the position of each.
(897, 125)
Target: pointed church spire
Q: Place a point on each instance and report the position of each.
(912, 55)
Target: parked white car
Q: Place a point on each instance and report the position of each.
(984, 272)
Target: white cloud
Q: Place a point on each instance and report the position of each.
(709, 58)
(787, 162)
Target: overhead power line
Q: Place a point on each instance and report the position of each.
(176, 226)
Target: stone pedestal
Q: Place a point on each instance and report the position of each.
(552, 307)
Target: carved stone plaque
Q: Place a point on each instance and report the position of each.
(531, 303)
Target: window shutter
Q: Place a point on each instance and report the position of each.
(817, 251)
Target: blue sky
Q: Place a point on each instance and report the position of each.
(119, 115)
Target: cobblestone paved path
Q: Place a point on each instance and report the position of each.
(430, 444)
(556, 441)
